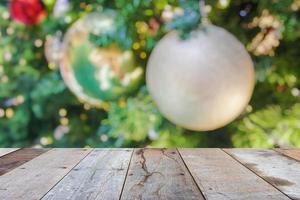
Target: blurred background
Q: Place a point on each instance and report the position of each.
(37, 107)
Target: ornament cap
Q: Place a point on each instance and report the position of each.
(204, 18)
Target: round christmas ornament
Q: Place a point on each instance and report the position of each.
(28, 12)
(202, 83)
(94, 73)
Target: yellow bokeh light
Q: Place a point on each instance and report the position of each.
(9, 113)
(64, 121)
(62, 112)
(143, 55)
(136, 46)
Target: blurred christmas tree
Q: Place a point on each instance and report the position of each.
(36, 107)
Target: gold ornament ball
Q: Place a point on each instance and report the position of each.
(97, 74)
(202, 83)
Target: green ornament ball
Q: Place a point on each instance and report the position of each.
(96, 74)
(201, 83)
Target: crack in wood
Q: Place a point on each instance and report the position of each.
(153, 174)
(148, 174)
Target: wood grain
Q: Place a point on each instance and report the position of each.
(280, 171)
(17, 158)
(100, 176)
(150, 174)
(293, 153)
(159, 174)
(220, 177)
(4, 151)
(34, 179)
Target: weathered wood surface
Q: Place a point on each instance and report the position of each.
(100, 176)
(35, 178)
(159, 174)
(231, 180)
(293, 153)
(280, 171)
(7, 151)
(15, 159)
(150, 174)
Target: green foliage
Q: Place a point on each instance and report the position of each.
(47, 88)
(134, 119)
(36, 108)
(270, 127)
(187, 22)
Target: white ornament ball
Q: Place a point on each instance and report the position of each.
(202, 83)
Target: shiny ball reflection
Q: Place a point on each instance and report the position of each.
(96, 74)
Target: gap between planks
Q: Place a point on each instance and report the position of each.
(234, 158)
(5, 151)
(291, 153)
(65, 175)
(100, 176)
(17, 158)
(35, 178)
(200, 187)
(197, 184)
(126, 174)
(159, 174)
(255, 160)
(168, 157)
(221, 177)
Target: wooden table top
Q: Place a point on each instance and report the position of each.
(149, 174)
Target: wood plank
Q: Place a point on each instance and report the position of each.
(221, 177)
(100, 176)
(4, 151)
(159, 174)
(17, 158)
(293, 153)
(35, 178)
(280, 171)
